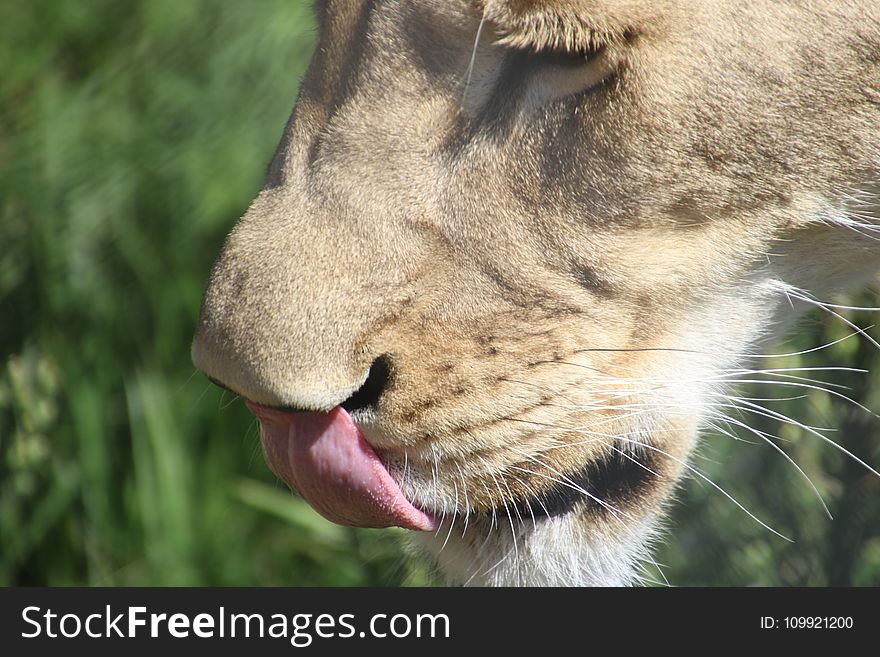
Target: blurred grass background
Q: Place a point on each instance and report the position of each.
(132, 136)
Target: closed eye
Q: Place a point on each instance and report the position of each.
(532, 79)
(559, 74)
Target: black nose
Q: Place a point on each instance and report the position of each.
(367, 396)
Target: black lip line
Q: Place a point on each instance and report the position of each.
(281, 409)
(620, 478)
(223, 386)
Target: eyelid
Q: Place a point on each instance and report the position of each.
(559, 80)
(569, 59)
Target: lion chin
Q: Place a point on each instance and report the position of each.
(510, 255)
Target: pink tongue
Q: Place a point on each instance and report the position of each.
(325, 457)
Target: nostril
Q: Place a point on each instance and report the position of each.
(368, 394)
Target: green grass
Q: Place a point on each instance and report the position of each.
(132, 136)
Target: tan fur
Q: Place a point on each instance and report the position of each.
(533, 257)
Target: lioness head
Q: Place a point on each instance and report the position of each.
(508, 251)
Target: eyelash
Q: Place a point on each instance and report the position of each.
(567, 58)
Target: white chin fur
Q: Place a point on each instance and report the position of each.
(551, 552)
